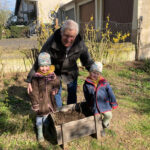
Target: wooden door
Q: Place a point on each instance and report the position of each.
(119, 10)
(86, 11)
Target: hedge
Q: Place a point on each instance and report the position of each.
(19, 31)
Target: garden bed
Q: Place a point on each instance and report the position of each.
(74, 121)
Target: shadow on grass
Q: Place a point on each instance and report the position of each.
(18, 100)
(19, 92)
(146, 80)
(15, 108)
(141, 67)
(1, 148)
(6, 126)
(143, 106)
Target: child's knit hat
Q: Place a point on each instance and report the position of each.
(44, 59)
(97, 66)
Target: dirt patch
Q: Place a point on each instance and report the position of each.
(135, 64)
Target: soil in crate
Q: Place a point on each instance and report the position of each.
(79, 112)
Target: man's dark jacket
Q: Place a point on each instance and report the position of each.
(65, 63)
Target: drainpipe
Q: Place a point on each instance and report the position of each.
(37, 13)
(138, 38)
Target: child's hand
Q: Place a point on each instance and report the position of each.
(35, 108)
(54, 91)
(29, 88)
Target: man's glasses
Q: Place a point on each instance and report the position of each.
(69, 36)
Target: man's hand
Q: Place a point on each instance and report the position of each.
(29, 88)
(54, 91)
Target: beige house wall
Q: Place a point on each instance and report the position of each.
(45, 6)
(144, 11)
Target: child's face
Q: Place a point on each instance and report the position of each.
(94, 75)
(44, 69)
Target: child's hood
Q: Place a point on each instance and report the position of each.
(89, 80)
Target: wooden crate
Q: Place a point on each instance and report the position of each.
(69, 131)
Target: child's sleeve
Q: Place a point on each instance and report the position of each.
(34, 95)
(112, 97)
(53, 92)
(87, 94)
(57, 84)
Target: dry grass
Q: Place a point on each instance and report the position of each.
(129, 128)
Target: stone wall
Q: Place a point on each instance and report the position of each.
(15, 60)
(120, 53)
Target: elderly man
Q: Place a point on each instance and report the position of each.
(65, 46)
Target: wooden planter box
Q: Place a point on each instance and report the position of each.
(68, 131)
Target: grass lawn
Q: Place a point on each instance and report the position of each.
(130, 126)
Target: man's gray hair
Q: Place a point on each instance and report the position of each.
(71, 25)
